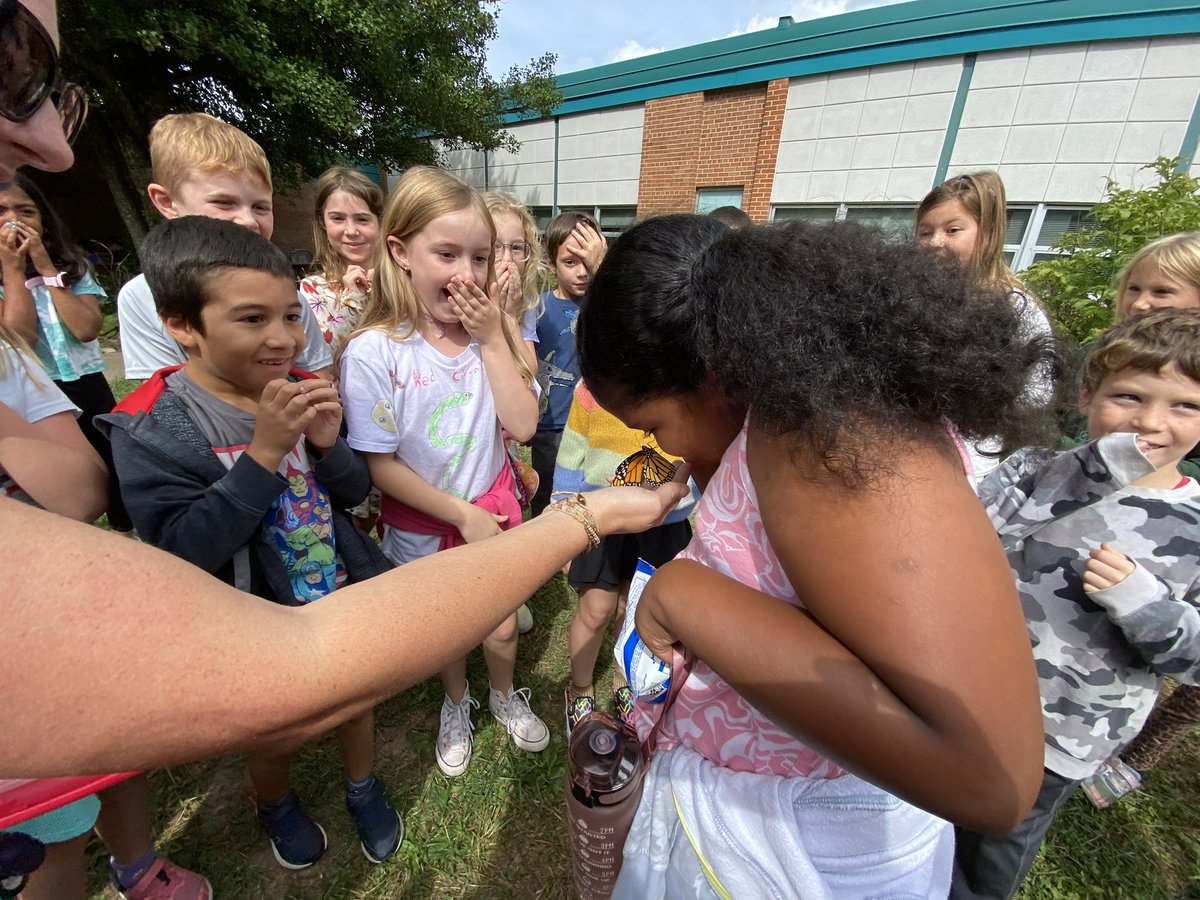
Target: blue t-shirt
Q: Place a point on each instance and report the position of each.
(558, 366)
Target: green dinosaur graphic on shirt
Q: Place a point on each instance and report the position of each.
(463, 439)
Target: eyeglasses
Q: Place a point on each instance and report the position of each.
(31, 74)
(518, 250)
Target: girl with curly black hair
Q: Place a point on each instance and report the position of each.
(810, 375)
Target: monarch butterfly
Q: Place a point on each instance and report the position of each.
(647, 467)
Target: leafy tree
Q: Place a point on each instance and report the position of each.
(313, 81)
(1077, 287)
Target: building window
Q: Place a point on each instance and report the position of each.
(812, 214)
(1032, 231)
(611, 219)
(1015, 225)
(897, 221)
(708, 199)
(615, 219)
(542, 216)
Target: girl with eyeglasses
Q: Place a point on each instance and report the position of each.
(520, 274)
(520, 278)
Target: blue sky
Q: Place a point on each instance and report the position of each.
(604, 31)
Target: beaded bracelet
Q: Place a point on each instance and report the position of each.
(575, 506)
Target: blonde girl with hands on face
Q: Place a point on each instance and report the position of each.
(520, 276)
(520, 267)
(430, 381)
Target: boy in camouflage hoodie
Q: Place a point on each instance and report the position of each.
(1102, 541)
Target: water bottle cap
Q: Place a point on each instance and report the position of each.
(602, 740)
(603, 756)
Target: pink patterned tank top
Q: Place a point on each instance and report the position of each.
(708, 715)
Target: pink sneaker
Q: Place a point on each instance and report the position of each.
(166, 881)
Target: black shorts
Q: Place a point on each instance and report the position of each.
(613, 562)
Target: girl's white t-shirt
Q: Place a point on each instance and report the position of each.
(985, 453)
(529, 326)
(434, 413)
(28, 391)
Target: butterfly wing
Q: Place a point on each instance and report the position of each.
(647, 468)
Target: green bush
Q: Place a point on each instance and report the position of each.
(1077, 287)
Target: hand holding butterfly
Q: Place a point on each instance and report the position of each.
(628, 510)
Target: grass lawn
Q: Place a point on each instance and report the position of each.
(498, 831)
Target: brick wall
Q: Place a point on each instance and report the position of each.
(715, 139)
(293, 218)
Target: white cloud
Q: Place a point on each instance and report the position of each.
(631, 50)
(804, 11)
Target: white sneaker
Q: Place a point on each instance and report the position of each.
(527, 730)
(453, 749)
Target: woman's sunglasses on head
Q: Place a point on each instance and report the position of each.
(29, 73)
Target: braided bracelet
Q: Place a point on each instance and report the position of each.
(575, 506)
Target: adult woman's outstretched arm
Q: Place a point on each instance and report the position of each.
(116, 656)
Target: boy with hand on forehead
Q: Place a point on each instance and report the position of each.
(574, 249)
(1102, 543)
(202, 166)
(236, 464)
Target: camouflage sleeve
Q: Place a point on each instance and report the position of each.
(1030, 488)
(1162, 627)
(1007, 487)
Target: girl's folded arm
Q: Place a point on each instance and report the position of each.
(398, 481)
(53, 462)
(80, 313)
(912, 667)
(516, 405)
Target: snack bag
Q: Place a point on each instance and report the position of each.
(647, 675)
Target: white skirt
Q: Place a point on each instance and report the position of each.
(709, 832)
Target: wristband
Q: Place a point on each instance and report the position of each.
(575, 506)
(55, 280)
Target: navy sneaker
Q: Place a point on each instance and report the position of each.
(296, 840)
(380, 828)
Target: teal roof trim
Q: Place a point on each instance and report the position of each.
(1191, 138)
(922, 29)
(956, 112)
